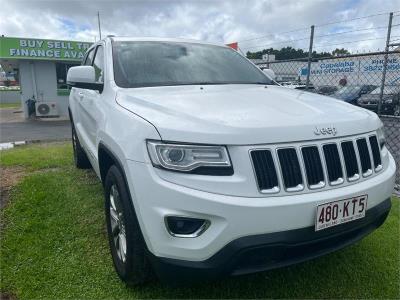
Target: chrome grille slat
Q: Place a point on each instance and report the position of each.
(265, 171)
(313, 166)
(350, 160)
(365, 158)
(317, 165)
(376, 153)
(333, 164)
(290, 168)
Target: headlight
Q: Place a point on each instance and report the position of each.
(206, 160)
(381, 136)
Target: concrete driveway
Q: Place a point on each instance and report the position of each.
(14, 128)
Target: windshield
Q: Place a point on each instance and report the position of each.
(144, 64)
(388, 90)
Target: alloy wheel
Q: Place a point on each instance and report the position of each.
(117, 223)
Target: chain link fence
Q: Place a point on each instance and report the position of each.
(392, 132)
(356, 79)
(368, 80)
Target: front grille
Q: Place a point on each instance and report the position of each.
(265, 170)
(290, 168)
(313, 166)
(365, 158)
(376, 153)
(341, 160)
(333, 164)
(350, 160)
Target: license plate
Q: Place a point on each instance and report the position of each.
(341, 211)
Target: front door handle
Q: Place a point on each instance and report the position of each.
(80, 95)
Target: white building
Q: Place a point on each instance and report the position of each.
(41, 66)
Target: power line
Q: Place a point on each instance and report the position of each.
(272, 34)
(322, 35)
(353, 19)
(351, 42)
(281, 42)
(319, 25)
(350, 31)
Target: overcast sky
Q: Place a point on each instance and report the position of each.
(217, 21)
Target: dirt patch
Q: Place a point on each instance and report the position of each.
(6, 296)
(9, 177)
(11, 115)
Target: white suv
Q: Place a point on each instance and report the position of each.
(210, 168)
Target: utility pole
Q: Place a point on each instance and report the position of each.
(98, 21)
(310, 57)
(385, 62)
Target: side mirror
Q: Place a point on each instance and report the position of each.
(83, 77)
(270, 73)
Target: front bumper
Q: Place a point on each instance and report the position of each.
(237, 220)
(268, 251)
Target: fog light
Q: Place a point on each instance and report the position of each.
(186, 227)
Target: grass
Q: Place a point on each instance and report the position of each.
(10, 105)
(53, 245)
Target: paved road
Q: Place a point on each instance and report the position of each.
(34, 131)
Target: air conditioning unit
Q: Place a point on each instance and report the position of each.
(46, 109)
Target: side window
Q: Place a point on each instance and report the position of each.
(89, 58)
(61, 72)
(98, 64)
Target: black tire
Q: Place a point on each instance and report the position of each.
(131, 265)
(80, 158)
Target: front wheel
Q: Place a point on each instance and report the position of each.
(128, 249)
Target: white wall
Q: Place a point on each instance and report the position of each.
(44, 73)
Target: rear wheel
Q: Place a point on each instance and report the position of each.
(80, 158)
(128, 249)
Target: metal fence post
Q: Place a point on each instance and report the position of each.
(385, 63)
(310, 57)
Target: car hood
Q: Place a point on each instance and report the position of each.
(243, 114)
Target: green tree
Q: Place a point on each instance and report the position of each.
(286, 53)
(340, 52)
